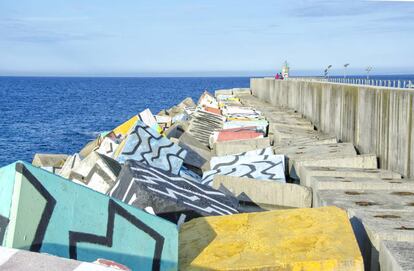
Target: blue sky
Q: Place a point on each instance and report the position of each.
(203, 37)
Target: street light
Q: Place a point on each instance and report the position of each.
(345, 66)
(327, 71)
(368, 70)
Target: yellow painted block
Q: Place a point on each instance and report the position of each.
(318, 239)
(123, 129)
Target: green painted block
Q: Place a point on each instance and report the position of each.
(47, 213)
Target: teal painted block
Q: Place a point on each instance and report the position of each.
(53, 215)
(6, 191)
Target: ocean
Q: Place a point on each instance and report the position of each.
(60, 115)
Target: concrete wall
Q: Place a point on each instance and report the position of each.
(376, 119)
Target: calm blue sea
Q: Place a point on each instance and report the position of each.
(59, 115)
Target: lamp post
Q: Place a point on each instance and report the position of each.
(368, 70)
(327, 71)
(345, 70)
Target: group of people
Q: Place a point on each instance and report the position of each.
(279, 76)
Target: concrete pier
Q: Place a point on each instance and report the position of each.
(376, 119)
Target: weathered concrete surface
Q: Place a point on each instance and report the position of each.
(264, 192)
(376, 119)
(297, 239)
(238, 146)
(354, 183)
(373, 227)
(306, 173)
(198, 155)
(20, 260)
(367, 199)
(294, 152)
(305, 141)
(360, 161)
(396, 256)
(50, 162)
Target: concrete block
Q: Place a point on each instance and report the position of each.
(89, 148)
(223, 92)
(297, 239)
(280, 134)
(366, 199)
(287, 124)
(145, 145)
(305, 141)
(148, 118)
(261, 125)
(96, 171)
(203, 124)
(373, 227)
(20, 260)
(265, 167)
(206, 99)
(107, 147)
(187, 102)
(361, 183)
(198, 155)
(50, 162)
(70, 163)
(324, 151)
(177, 129)
(241, 91)
(359, 161)
(264, 193)
(396, 256)
(306, 173)
(49, 214)
(171, 197)
(216, 160)
(237, 146)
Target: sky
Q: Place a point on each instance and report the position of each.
(204, 37)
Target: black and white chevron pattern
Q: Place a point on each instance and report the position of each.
(145, 145)
(203, 124)
(170, 196)
(263, 167)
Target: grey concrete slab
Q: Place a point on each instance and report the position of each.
(21, 260)
(367, 199)
(396, 256)
(306, 173)
(281, 134)
(238, 146)
(264, 192)
(198, 155)
(355, 184)
(322, 140)
(351, 161)
(49, 160)
(295, 152)
(287, 124)
(371, 227)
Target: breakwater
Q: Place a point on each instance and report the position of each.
(376, 119)
(231, 182)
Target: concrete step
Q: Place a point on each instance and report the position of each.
(265, 192)
(306, 173)
(368, 161)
